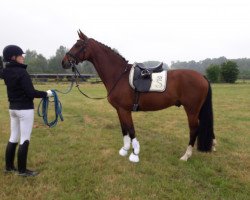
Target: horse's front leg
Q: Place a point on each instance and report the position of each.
(128, 132)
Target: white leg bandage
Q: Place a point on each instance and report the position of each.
(136, 147)
(188, 153)
(124, 150)
(21, 124)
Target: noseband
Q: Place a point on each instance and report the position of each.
(75, 57)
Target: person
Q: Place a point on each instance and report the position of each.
(1, 62)
(1, 67)
(21, 94)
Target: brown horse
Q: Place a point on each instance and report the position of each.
(184, 87)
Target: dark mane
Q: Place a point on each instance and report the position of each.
(112, 50)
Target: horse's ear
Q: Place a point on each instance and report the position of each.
(81, 35)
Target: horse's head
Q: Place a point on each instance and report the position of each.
(77, 53)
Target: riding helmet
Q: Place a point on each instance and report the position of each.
(11, 50)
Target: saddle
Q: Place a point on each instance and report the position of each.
(146, 79)
(143, 76)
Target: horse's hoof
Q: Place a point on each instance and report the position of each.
(123, 152)
(134, 158)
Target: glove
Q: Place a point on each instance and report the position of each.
(49, 93)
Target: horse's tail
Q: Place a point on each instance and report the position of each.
(206, 126)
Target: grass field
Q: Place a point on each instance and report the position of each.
(78, 159)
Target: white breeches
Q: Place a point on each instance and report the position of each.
(21, 124)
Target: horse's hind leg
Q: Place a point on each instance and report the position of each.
(193, 125)
(128, 132)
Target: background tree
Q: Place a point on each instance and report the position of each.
(213, 73)
(54, 63)
(86, 67)
(199, 66)
(42, 63)
(229, 71)
(37, 63)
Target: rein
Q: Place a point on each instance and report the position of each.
(74, 69)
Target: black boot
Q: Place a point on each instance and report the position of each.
(10, 157)
(22, 160)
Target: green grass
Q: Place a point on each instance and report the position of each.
(78, 159)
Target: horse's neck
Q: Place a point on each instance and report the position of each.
(108, 66)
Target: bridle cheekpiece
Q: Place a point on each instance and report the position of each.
(75, 58)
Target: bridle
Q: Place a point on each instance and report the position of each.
(75, 57)
(77, 74)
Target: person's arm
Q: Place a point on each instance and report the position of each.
(29, 89)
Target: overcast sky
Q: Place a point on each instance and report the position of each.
(141, 30)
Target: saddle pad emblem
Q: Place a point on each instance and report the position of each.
(158, 84)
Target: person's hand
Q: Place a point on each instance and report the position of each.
(49, 93)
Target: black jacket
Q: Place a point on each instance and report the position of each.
(20, 89)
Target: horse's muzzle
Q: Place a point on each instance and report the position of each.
(66, 64)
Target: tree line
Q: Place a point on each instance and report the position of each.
(226, 72)
(39, 64)
(243, 65)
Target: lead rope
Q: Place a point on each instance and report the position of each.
(43, 111)
(43, 106)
